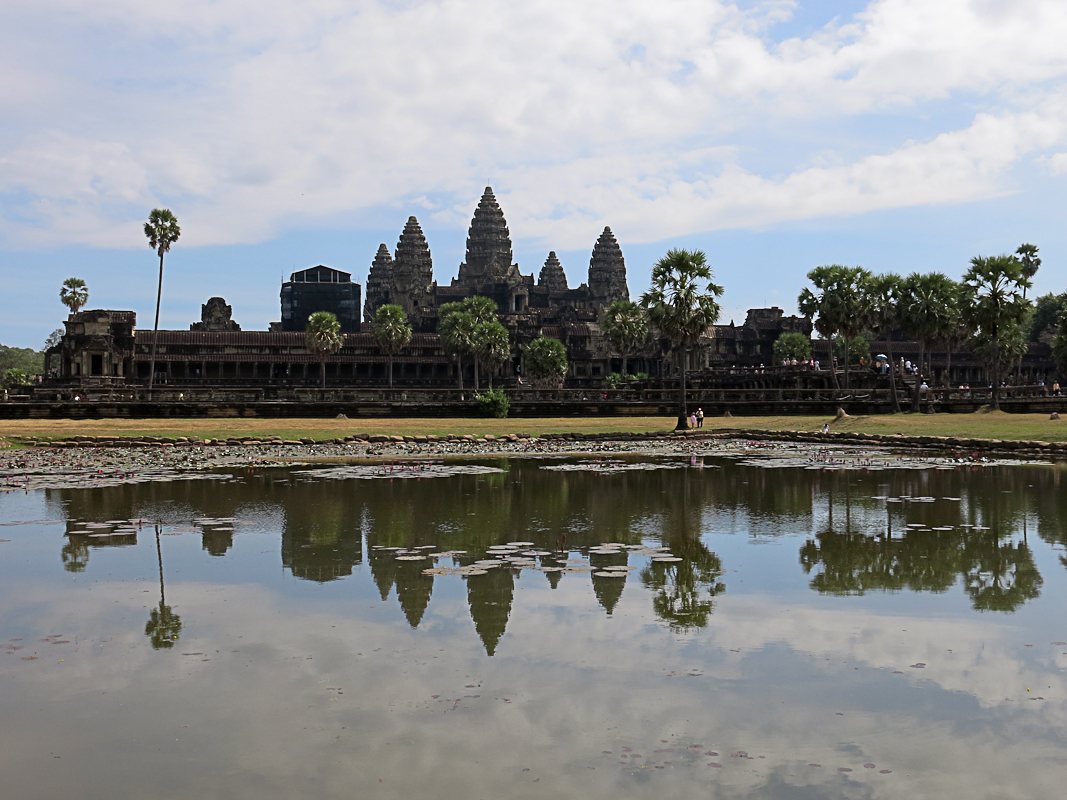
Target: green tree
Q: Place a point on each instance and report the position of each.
(491, 348)
(858, 349)
(13, 378)
(682, 304)
(625, 326)
(883, 303)
(74, 294)
(929, 310)
(1059, 345)
(1047, 312)
(995, 309)
(323, 337)
(1031, 263)
(546, 362)
(392, 333)
(838, 304)
(22, 358)
(54, 338)
(162, 231)
(792, 345)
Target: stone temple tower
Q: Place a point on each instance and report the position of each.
(552, 276)
(379, 283)
(412, 268)
(607, 270)
(488, 246)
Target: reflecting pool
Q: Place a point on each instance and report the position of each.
(542, 628)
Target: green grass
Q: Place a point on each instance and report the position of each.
(993, 425)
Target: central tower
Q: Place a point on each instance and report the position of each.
(488, 245)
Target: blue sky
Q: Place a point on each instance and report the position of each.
(897, 134)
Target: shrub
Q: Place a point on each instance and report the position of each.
(494, 403)
(14, 378)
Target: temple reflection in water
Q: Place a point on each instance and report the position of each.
(891, 531)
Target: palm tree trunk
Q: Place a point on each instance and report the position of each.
(996, 374)
(459, 370)
(390, 372)
(476, 382)
(893, 399)
(846, 362)
(155, 331)
(918, 380)
(948, 365)
(625, 371)
(322, 373)
(683, 412)
(833, 368)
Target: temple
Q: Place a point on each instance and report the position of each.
(104, 346)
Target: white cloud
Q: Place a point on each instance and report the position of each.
(249, 118)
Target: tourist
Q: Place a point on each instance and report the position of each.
(700, 418)
(1056, 388)
(692, 420)
(826, 427)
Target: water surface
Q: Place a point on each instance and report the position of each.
(824, 634)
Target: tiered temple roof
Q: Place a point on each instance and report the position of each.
(488, 244)
(552, 276)
(379, 281)
(607, 270)
(412, 268)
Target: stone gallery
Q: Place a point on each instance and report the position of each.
(105, 346)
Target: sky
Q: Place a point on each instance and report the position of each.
(776, 136)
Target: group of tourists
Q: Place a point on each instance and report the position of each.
(696, 419)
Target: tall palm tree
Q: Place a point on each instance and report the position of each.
(323, 337)
(682, 305)
(74, 294)
(458, 322)
(929, 311)
(959, 332)
(162, 231)
(392, 333)
(1030, 261)
(883, 300)
(838, 305)
(818, 306)
(491, 348)
(995, 308)
(625, 327)
(456, 330)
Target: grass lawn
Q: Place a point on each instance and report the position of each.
(991, 425)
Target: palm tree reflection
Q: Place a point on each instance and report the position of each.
(163, 626)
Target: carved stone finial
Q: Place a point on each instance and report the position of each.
(215, 315)
(552, 276)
